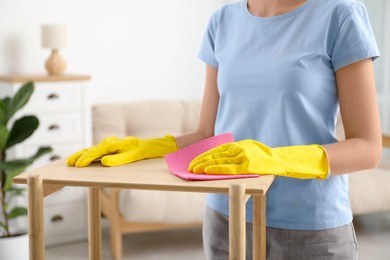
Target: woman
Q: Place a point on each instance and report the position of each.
(277, 74)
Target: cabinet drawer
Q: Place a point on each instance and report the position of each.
(57, 129)
(65, 223)
(59, 96)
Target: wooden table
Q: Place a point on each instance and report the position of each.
(149, 174)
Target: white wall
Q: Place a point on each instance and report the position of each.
(137, 49)
(133, 49)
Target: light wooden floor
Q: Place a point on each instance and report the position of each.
(373, 233)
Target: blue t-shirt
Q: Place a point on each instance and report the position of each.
(277, 85)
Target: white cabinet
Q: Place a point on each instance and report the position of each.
(60, 104)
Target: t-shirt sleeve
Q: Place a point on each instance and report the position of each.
(355, 39)
(207, 48)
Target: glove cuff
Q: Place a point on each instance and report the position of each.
(172, 142)
(304, 161)
(327, 162)
(158, 147)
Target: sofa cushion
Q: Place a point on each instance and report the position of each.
(369, 190)
(144, 118)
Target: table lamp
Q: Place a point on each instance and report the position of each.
(55, 38)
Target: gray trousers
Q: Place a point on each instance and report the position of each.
(282, 244)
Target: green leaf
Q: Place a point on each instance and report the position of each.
(17, 190)
(14, 164)
(3, 136)
(2, 112)
(7, 104)
(2, 225)
(17, 212)
(10, 176)
(41, 151)
(15, 167)
(20, 99)
(22, 129)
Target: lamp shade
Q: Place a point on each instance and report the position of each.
(54, 36)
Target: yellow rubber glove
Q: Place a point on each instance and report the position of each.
(249, 156)
(114, 151)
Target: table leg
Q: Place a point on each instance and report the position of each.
(94, 226)
(237, 221)
(259, 227)
(35, 218)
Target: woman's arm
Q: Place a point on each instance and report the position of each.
(208, 111)
(359, 110)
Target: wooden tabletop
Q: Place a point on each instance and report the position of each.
(151, 174)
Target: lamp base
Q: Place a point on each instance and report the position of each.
(55, 64)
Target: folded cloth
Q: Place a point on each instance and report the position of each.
(178, 161)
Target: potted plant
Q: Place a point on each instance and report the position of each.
(12, 132)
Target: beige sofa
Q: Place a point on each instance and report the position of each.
(139, 211)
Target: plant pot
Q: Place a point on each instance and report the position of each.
(14, 248)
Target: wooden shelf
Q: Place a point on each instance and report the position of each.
(43, 78)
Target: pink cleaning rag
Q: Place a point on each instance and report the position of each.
(178, 161)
